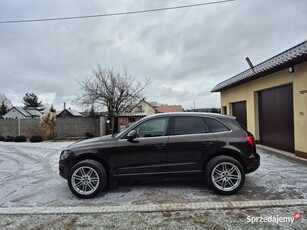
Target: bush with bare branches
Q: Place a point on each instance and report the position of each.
(48, 125)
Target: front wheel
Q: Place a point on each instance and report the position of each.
(225, 175)
(87, 178)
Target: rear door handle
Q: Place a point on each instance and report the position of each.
(208, 143)
(160, 146)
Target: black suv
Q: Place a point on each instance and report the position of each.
(170, 144)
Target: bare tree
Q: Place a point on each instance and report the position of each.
(117, 91)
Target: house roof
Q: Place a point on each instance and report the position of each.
(33, 112)
(74, 113)
(151, 104)
(168, 108)
(22, 110)
(132, 115)
(286, 59)
(27, 111)
(71, 111)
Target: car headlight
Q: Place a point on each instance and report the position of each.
(65, 154)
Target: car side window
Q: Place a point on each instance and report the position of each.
(153, 128)
(188, 125)
(216, 126)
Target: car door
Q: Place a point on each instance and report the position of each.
(146, 154)
(189, 143)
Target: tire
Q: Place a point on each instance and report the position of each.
(87, 178)
(225, 175)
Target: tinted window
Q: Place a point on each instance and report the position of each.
(188, 125)
(152, 128)
(215, 126)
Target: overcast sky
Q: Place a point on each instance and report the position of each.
(185, 52)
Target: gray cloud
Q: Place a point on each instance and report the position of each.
(185, 52)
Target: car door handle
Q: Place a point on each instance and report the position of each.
(208, 143)
(160, 146)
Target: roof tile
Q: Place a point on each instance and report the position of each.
(290, 57)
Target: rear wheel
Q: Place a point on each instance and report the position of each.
(225, 175)
(87, 178)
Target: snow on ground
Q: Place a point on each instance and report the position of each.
(30, 178)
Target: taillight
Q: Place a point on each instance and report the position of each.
(251, 140)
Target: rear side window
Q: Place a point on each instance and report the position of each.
(188, 125)
(216, 126)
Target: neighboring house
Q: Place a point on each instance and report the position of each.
(270, 99)
(168, 108)
(19, 112)
(142, 109)
(145, 107)
(126, 120)
(69, 113)
(150, 108)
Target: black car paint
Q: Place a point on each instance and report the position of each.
(168, 155)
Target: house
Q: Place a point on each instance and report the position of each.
(168, 108)
(20, 112)
(142, 109)
(150, 108)
(270, 100)
(69, 113)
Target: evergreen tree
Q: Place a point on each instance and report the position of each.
(52, 110)
(3, 109)
(31, 100)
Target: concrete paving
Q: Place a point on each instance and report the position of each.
(31, 190)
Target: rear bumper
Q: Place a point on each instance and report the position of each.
(253, 163)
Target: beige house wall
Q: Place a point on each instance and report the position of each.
(249, 92)
(146, 108)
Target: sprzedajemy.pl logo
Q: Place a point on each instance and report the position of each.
(273, 219)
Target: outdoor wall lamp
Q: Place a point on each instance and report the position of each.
(303, 91)
(291, 69)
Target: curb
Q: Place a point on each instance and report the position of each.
(152, 207)
(281, 152)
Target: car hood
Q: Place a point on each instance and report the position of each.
(96, 142)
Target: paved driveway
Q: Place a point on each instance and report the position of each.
(30, 178)
(30, 185)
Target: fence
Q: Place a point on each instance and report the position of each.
(72, 126)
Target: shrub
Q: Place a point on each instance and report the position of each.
(89, 135)
(1, 138)
(36, 139)
(9, 139)
(20, 139)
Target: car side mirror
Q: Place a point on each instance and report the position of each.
(132, 135)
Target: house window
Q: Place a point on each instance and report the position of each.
(139, 109)
(131, 120)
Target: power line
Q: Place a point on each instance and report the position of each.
(114, 14)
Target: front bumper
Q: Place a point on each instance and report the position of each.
(63, 170)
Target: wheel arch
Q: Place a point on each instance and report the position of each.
(91, 156)
(230, 153)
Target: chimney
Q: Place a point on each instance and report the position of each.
(64, 105)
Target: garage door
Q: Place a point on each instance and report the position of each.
(239, 111)
(276, 123)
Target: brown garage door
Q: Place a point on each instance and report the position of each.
(276, 121)
(239, 111)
